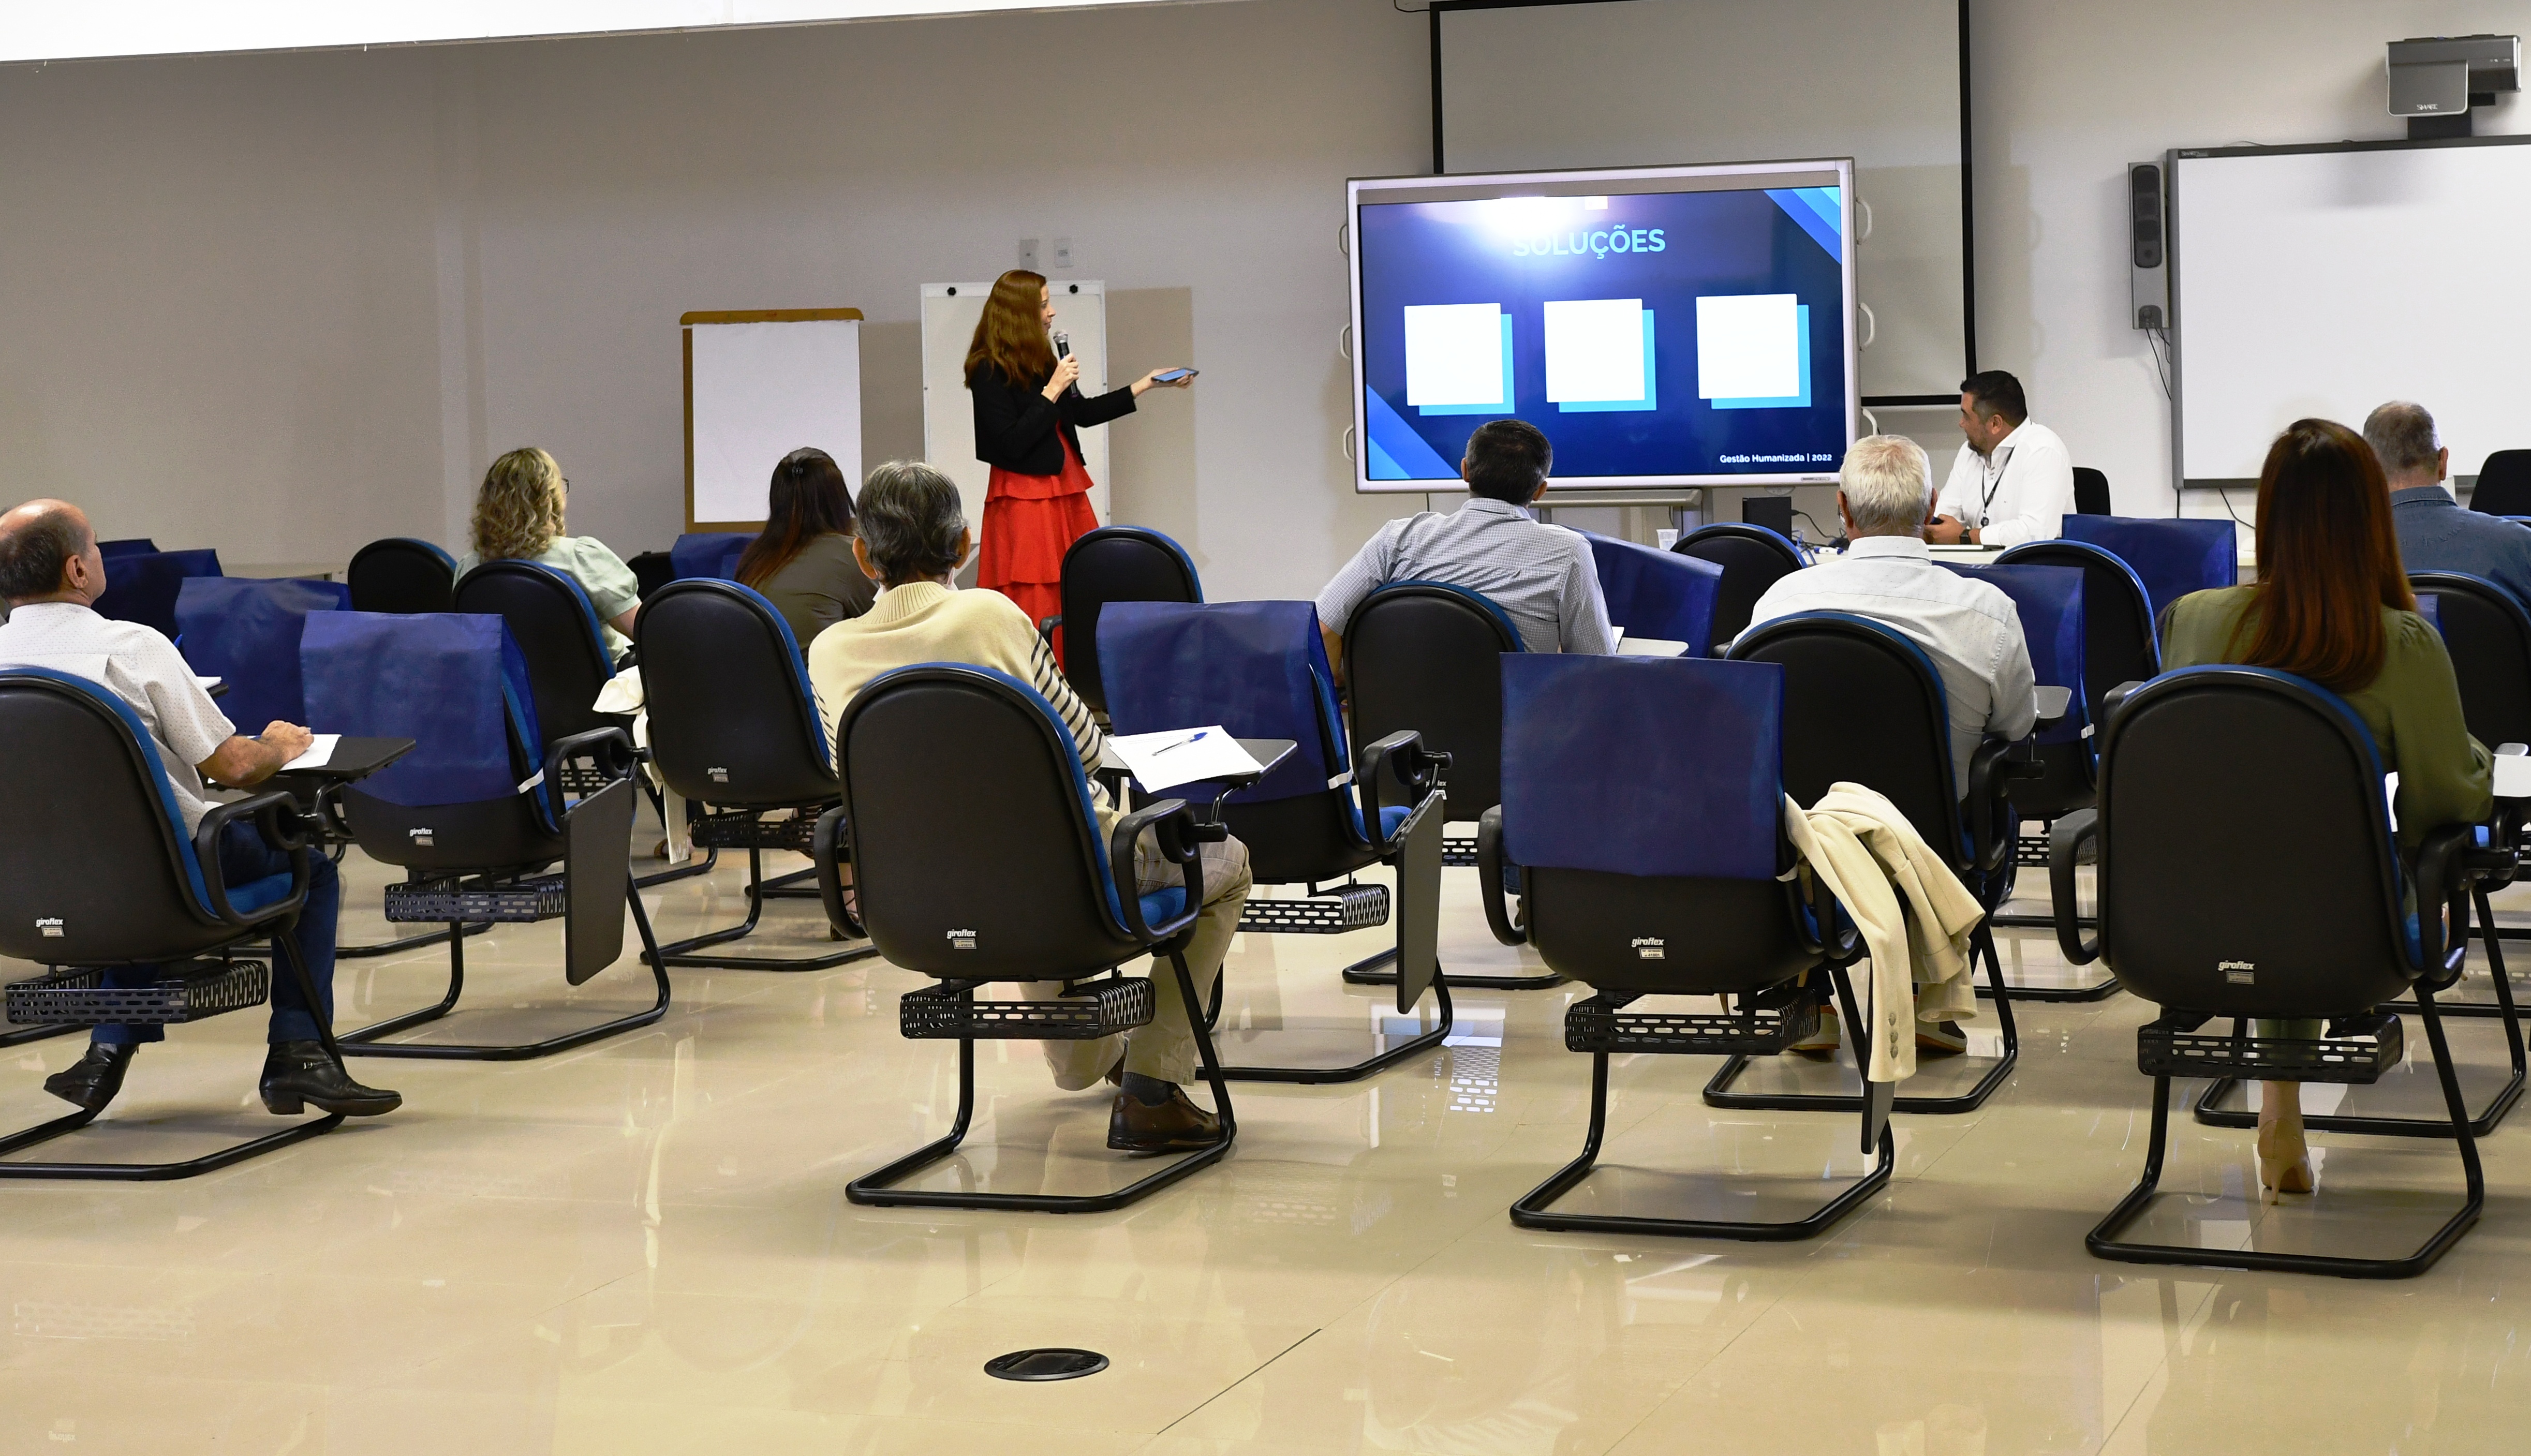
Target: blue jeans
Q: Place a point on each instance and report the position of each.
(244, 858)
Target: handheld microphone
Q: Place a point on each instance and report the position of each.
(1062, 344)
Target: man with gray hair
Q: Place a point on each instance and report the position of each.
(1967, 627)
(2434, 533)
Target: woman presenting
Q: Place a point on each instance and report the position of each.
(1028, 420)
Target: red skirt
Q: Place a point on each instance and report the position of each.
(1029, 522)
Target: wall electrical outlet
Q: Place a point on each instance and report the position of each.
(1063, 252)
(1027, 254)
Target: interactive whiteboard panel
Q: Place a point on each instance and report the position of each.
(759, 386)
(2327, 280)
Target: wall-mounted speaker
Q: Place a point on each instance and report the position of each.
(2148, 271)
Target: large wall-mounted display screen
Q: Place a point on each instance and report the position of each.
(1664, 326)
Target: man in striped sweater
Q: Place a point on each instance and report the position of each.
(910, 536)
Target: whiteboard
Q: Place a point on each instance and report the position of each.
(759, 386)
(2325, 281)
(949, 315)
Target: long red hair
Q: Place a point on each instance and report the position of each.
(1011, 336)
(2329, 560)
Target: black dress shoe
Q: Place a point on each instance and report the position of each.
(301, 1072)
(92, 1081)
(1174, 1125)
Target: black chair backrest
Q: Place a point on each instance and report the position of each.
(1863, 704)
(91, 870)
(2247, 884)
(2120, 643)
(1752, 559)
(2504, 485)
(1429, 657)
(1115, 563)
(2090, 492)
(402, 575)
(2488, 634)
(556, 631)
(732, 722)
(973, 847)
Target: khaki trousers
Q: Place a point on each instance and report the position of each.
(1164, 1049)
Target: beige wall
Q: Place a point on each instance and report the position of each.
(283, 305)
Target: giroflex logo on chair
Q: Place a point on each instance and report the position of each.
(2238, 972)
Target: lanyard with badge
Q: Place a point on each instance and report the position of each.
(1994, 482)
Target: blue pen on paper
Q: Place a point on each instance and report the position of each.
(1181, 742)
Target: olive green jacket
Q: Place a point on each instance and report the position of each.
(2413, 708)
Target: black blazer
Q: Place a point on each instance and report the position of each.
(1017, 427)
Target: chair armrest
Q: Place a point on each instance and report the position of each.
(1401, 755)
(612, 747)
(1490, 879)
(1991, 770)
(1173, 830)
(2066, 838)
(2444, 877)
(1046, 627)
(1822, 903)
(277, 817)
(2115, 701)
(826, 852)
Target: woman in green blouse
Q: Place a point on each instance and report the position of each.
(2333, 605)
(519, 517)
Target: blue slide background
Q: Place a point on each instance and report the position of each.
(1716, 242)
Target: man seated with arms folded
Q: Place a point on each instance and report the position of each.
(910, 536)
(1541, 576)
(1967, 627)
(2434, 533)
(2014, 482)
(50, 572)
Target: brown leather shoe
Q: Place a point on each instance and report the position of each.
(1175, 1126)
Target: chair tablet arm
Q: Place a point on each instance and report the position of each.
(2066, 838)
(2442, 874)
(277, 817)
(826, 852)
(1174, 831)
(1490, 879)
(1401, 756)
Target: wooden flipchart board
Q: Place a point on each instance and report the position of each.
(759, 385)
(949, 315)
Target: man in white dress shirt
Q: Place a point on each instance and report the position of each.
(2014, 482)
(1969, 629)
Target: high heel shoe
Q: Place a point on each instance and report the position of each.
(2284, 1158)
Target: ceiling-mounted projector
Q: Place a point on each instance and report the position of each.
(2435, 79)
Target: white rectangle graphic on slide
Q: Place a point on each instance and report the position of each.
(1595, 350)
(1748, 346)
(1455, 353)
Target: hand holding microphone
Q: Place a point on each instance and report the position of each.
(1067, 371)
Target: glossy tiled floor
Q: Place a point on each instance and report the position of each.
(644, 1246)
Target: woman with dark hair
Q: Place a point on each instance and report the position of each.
(2333, 605)
(1029, 416)
(802, 561)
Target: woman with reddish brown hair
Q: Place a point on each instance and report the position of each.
(2333, 605)
(1029, 416)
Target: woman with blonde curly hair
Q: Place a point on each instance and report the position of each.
(519, 517)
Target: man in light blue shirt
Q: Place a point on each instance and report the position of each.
(2434, 533)
(1541, 576)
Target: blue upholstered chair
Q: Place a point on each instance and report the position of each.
(1665, 595)
(130, 888)
(402, 575)
(245, 631)
(709, 555)
(1643, 800)
(2173, 555)
(734, 728)
(976, 859)
(478, 814)
(1114, 563)
(142, 585)
(2268, 886)
(1260, 669)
